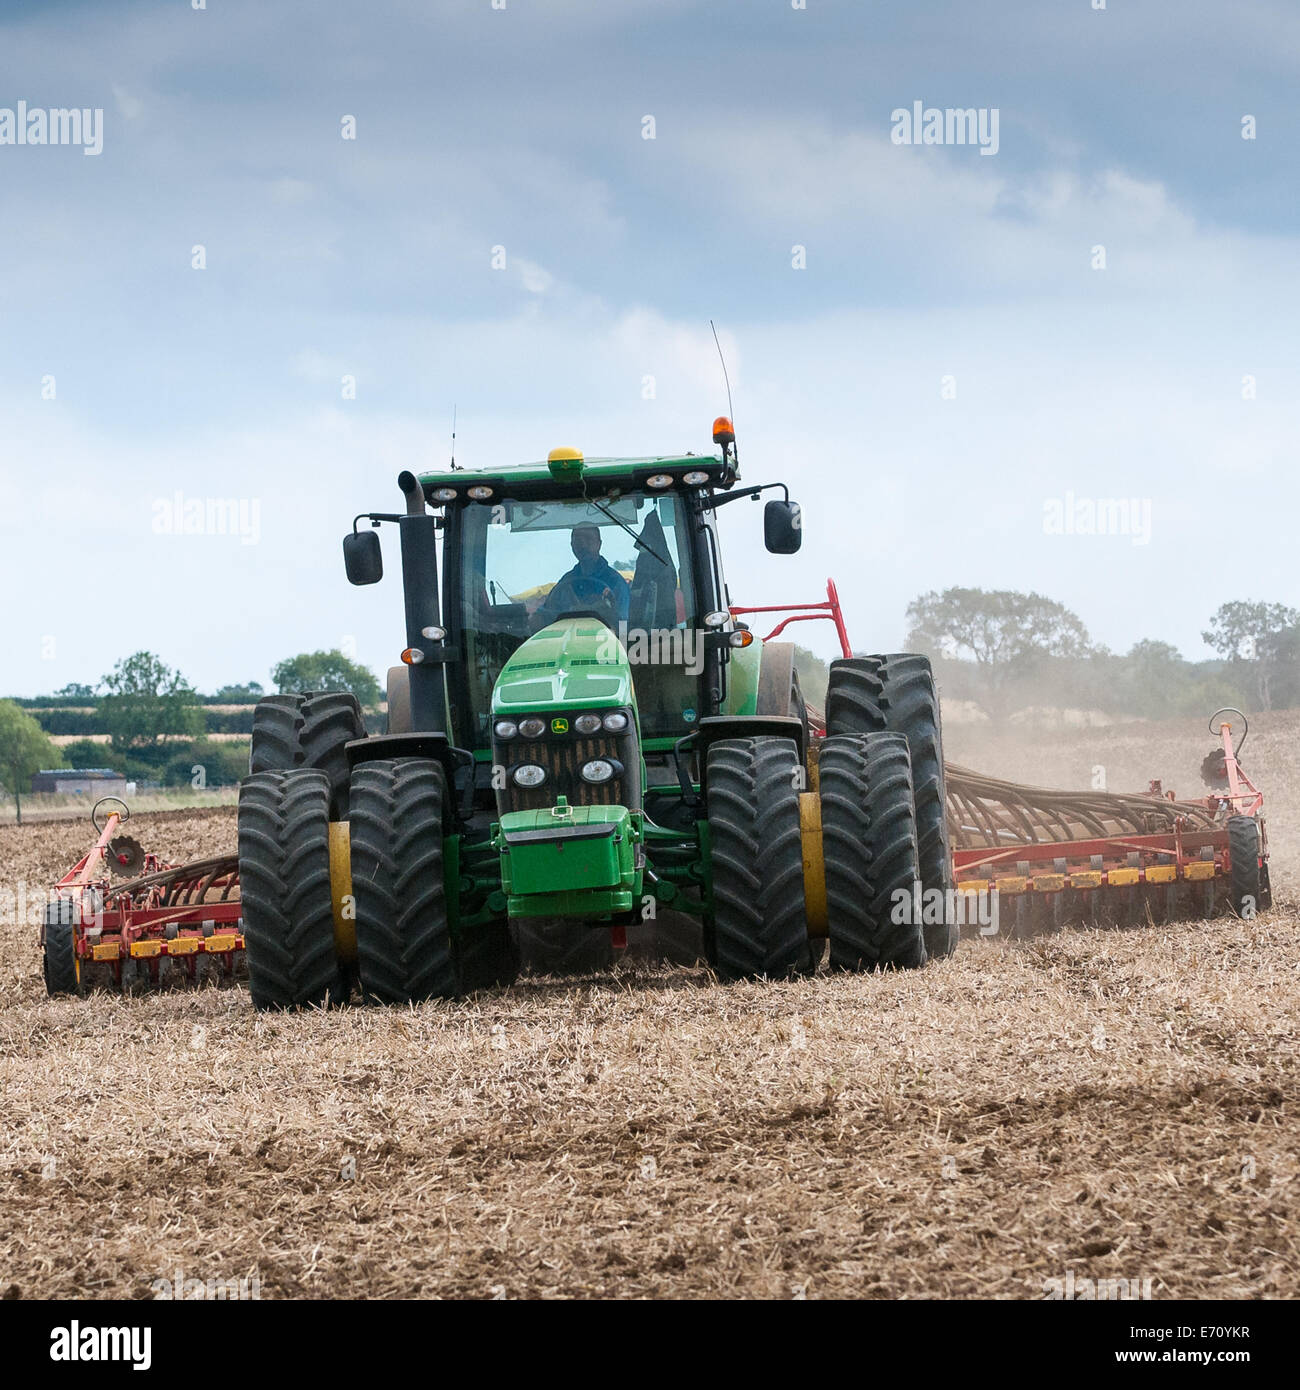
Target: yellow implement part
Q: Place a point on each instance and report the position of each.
(146, 948)
(107, 951)
(183, 946)
(1086, 878)
(1121, 878)
(1162, 873)
(1199, 869)
(1048, 883)
(814, 864)
(973, 885)
(218, 944)
(1012, 884)
(345, 912)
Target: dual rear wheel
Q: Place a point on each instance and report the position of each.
(758, 922)
(405, 951)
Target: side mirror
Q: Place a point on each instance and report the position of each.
(782, 527)
(362, 557)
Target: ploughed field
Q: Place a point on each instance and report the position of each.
(1120, 1104)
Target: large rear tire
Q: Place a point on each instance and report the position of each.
(1246, 884)
(869, 847)
(293, 731)
(284, 884)
(896, 694)
(404, 947)
(757, 926)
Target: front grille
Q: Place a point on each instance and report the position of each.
(562, 755)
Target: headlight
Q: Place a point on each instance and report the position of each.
(658, 480)
(587, 723)
(505, 728)
(480, 493)
(434, 634)
(529, 775)
(444, 494)
(695, 477)
(615, 723)
(532, 728)
(719, 618)
(598, 770)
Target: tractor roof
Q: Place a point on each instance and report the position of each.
(630, 472)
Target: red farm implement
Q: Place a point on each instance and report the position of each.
(1056, 856)
(122, 918)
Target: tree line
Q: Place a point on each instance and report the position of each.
(155, 722)
(1006, 651)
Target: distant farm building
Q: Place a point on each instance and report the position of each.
(80, 781)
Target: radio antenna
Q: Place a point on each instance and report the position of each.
(453, 436)
(727, 440)
(731, 414)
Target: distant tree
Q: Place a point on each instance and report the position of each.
(239, 694)
(76, 691)
(1261, 637)
(1003, 631)
(86, 752)
(25, 748)
(325, 671)
(147, 699)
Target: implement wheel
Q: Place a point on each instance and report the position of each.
(869, 848)
(284, 884)
(1246, 889)
(404, 947)
(292, 731)
(61, 965)
(896, 694)
(758, 927)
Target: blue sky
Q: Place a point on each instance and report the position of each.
(522, 128)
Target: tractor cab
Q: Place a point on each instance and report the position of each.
(624, 563)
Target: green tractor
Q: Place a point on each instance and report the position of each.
(579, 751)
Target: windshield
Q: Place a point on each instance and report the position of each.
(625, 559)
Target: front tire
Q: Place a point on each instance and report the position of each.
(404, 946)
(896, 694)
(869, 848)
(757, 926)
(284, 884)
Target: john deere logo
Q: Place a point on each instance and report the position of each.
(559, 726)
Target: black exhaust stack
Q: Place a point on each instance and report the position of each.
(420, 586)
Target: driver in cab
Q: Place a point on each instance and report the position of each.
(593, 583)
